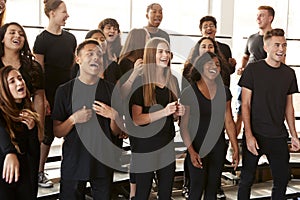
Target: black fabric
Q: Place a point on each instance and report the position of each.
(113, 73)
(270, 87)
(58, 51)
(255, 48)
(203, 106)
(78, 163)
(166, 133)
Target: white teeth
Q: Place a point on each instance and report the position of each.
(212, 71)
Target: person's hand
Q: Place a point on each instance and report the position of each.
(232, 62)
(83, 115)
(240, 70)
(11, 168)
(47, 108)
(235, 159)
(27, 119)
(180, 109)
(104, 110)
(295, 144)
(138, 66)
(171, 108)
(252, 145)
(195, 159)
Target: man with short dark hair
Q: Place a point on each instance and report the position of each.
(267, 88)
(83, 116)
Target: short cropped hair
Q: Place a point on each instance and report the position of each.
(269, 9)
(85, 42)
(273, 32)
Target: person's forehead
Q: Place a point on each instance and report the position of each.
(156, 7)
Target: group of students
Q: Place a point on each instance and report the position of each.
(115, 91)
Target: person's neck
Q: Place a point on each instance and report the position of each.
(151, 29)
(54, 28)
(88, 80)
(262, 31)
(11, 58)
(160, 77)
(272, 63)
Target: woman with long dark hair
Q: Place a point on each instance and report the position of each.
(19, 125)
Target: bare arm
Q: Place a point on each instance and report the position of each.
(290, 119)
(63, 128)
(185, 135)
(231, 132)
(245, 60)
(39, 106)
(40, 59)
(140, 118)
(246, 113)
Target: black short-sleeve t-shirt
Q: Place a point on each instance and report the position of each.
(270, 87)
(84, 140)
(201, 111)
(150, 141)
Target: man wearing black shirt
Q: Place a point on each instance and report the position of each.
(267, 88)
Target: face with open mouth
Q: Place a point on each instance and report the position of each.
(16, 85)
(208, 29)
(14, 38)
(90, 60)
(211, 69)
(155, 16)
(276, 49)
(60, 15)
(163, 55)
(110, 32)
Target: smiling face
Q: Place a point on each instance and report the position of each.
(154, 15)
(208, 29)
(206, 46)
(163, 54)
(16, 85)
(14, 38)
(263, 19)
(101, 39)
(276, 50)
(60, 15)
(211, 69)
(90, 60)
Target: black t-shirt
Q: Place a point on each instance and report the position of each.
(201, 111)
(113, 73)
(255, 48)
(86, 141)
(33, 76)
(150, 141)
(270, 87)
(58, 51)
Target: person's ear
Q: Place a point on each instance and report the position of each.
(77, 60)
(147, 16)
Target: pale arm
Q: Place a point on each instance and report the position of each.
(290, 119)
(231, 132)
(246, 115)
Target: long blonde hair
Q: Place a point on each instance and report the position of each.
(9, 108)
(149, 73)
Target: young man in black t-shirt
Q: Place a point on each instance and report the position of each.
(83, 116)
(267, 88)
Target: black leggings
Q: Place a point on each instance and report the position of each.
(165, 177)
(208, 178)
